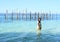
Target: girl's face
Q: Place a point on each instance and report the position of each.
(39, 19)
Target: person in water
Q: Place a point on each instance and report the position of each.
(39, 26)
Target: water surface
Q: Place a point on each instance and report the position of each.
(25, 31)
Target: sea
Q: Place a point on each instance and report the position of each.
(25, 30)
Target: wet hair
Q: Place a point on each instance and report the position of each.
(39, 20)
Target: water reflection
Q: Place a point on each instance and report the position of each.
(38, 38)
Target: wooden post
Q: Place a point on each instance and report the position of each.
(30, 16)
(17, 16)
(47, 16)
(56, 16)
(52, 16)
(42, 16)
(26, 16)
(12, 15)
(6, 15)
(17, 13)
(22, 16)
(35, 15)
(38, 14)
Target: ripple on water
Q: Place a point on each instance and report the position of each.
(28, 37)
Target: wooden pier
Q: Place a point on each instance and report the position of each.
(29, 16)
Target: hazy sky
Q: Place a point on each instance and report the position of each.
(30, 5)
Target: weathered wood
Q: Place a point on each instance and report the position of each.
(5, 16)
(47, 17)
(17, 16)
(38, 15)
(12, 16)
(22, 16)
(35, 15)
(30, 16)
(26, 17)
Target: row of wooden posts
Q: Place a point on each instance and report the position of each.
(35, 16)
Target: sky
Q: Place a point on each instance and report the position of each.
(45, 6)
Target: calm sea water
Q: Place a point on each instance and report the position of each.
(25, 31)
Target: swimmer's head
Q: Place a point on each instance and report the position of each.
(39, 19)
